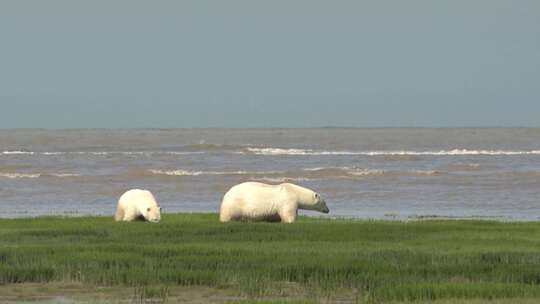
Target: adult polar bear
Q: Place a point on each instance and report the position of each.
(258, 201)
(137, 204)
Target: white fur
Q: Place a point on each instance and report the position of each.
(137, 204)
(258, 201)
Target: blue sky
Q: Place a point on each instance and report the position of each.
(308, 63)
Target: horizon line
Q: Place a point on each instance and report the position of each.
(265, 128)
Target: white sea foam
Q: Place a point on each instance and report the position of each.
(64, 174)
(146, 153)
(17, 153)
(345, 170)
(282, 179)
(20, 175)
(294, 152)
(456, 152)
(180, 152)
(426, 172)
(196, 173)
(16, 175)
(257, 175)
(280, 151)
(362, 172)
(103, 153)
(318, 168)
(300, 174)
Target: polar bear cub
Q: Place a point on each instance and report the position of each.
(137, 204)
(258, 201)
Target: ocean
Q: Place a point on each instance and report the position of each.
(393, 173)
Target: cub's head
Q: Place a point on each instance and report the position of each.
(152, 214)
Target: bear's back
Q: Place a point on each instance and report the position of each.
(253, 189)
(137, 197)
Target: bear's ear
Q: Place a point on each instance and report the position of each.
(317, 196)
(148, 209)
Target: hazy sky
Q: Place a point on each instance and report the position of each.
(269, 63)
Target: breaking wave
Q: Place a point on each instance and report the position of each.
(17, 153)
(426, 172)
(20, 175)
(280, 151)
(64, 174)
(340, 172)
(35, 175)
(300, 174)
(283, 179)
(196, 173)
(103, 153)
(209, 147)
(247, 150)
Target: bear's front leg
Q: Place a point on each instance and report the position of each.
(288, 215)
(130, 214)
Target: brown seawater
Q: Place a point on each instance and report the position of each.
(363, 173)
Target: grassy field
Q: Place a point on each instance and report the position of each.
(309, 261)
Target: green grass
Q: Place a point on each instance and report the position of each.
(366, 261)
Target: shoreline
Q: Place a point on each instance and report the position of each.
(386, 218)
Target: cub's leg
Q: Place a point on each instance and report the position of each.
(226, 213)
(119, 215)
(230, 210)
(130, 214)
(224, 217)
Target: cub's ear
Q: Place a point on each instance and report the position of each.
(148, 209)
(317, 195)
(160, 209)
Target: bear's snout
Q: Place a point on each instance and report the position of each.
(324, 208)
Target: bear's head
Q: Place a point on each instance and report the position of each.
(320, 203)
(309, 199)
(152, 213)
